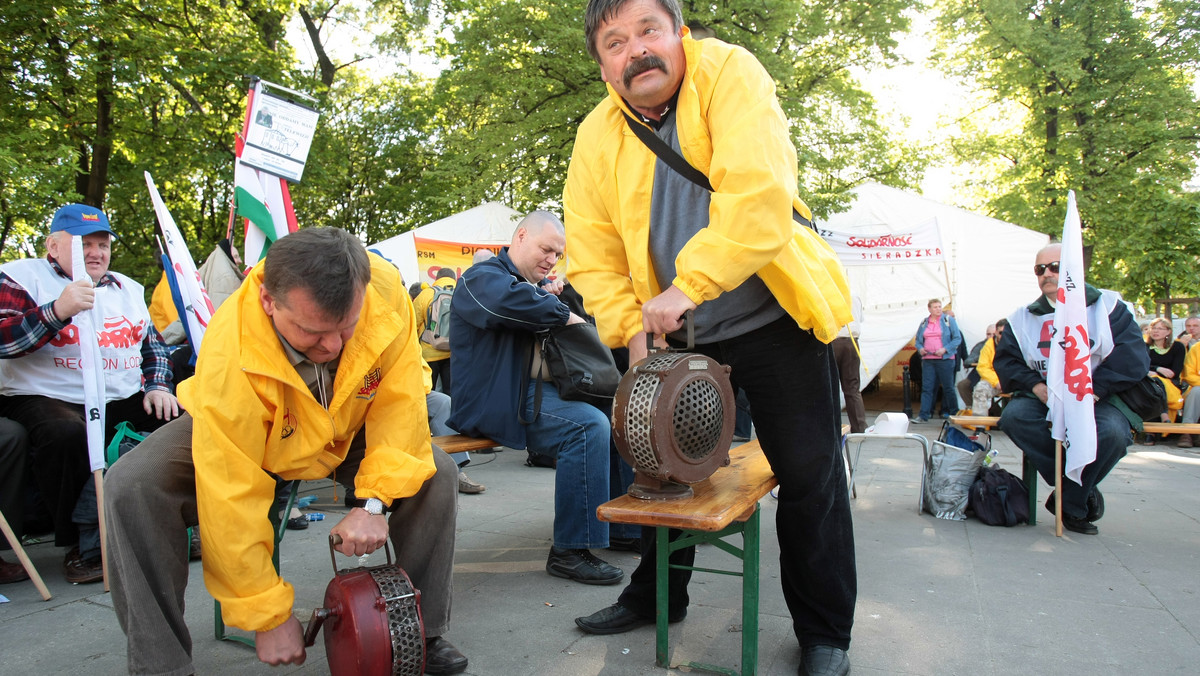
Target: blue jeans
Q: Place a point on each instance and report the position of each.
(589, 472)
(438, 406)
(934, 371)
(1024, 421)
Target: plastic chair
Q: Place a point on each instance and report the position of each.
(890, 426)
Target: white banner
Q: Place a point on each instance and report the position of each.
(870, 246)
(1072, 412)
(90, 364)
(197, 308)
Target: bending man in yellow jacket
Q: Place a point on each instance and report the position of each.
(646, 244)
(311, 367)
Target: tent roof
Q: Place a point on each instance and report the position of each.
(488, 223)
(986, 271)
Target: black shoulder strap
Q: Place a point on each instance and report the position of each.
(681, 166)
(667, 154)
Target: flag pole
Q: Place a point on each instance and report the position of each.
(24, 558)
(98, 476)
(1058, 473)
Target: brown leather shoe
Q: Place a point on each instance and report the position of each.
(11, 572)
(1185, 441)
(79, 571)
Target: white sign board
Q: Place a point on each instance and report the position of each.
(279, 135)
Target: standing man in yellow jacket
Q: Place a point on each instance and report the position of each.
(312, 366)
(646, 244)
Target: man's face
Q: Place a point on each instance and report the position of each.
(1048, 279)
(536, 254)
(999, 333)
(1193, 327)
(97, 252)
(641, 54)
(991, 332)
(306, 327)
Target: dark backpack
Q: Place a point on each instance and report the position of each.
(1144, 401)
(999, 498)
(437, 319)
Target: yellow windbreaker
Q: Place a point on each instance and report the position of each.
(1191, 366)
(732, 129)
(984, 368)
(253, 412)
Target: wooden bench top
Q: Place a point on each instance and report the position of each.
(457, 443)
(990, 421)
(729, 495)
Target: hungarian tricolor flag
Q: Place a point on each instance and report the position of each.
(260, 198)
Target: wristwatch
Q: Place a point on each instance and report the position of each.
(372, 505)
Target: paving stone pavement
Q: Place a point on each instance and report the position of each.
(935, 597)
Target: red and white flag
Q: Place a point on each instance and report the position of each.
(91, 364)
(1069, 372)
(197, 309)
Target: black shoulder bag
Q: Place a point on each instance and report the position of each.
(581, 366)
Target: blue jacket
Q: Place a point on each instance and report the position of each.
(493, 317)
(951, 336)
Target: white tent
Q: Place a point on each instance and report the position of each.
(489, 225)
(985, 267)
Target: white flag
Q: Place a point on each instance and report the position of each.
(90, 364)
(197, 308)
(1069, 372)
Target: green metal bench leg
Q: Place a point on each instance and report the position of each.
(661, 570)
(750, 561)
(1030, 476)
(279, 523)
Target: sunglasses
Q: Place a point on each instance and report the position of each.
(1040, 268)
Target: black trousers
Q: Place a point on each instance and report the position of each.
(440, 371)
(791, 380)
(14, 449)
(58, 455)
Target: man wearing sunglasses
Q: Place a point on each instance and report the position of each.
(1118, 361)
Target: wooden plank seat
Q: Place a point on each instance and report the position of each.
(723, 505)
(1029, 473)
(457, 443)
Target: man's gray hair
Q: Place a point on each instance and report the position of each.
(329, 263)
(599, 11)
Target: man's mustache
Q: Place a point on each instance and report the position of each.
(642, 65)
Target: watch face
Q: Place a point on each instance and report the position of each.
(374, 506)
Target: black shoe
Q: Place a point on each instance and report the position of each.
(441, 657)
(1095, 505)
(297, 523)
(625, 544)
(823, 660)
(195, 549)
(1080, 525)
(82, 571)
(583, 566)
(617, 619)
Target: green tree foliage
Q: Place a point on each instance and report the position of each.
(519, 82)
(1097, 97)
(95, 93)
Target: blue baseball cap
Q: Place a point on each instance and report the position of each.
(80, 219)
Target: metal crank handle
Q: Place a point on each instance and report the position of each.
(689, 320)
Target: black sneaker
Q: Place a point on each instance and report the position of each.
(583, 566)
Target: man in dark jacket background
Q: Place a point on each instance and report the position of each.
(498, 307)
(1119, 360)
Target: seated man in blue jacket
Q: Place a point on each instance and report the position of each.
(498, 306)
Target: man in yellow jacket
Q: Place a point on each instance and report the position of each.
(1191, 376)
(645, 244)
(312, 366)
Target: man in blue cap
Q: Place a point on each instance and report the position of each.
(41, 382)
